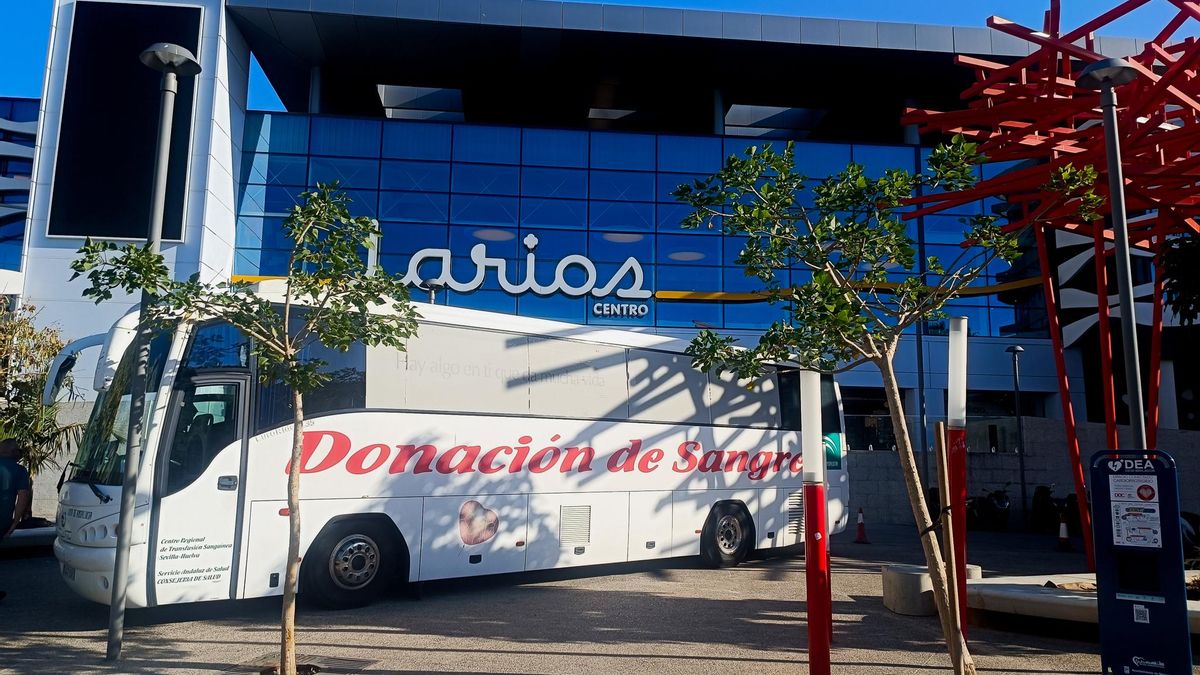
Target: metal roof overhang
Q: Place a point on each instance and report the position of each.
(537, 63)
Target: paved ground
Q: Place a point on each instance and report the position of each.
(664, 619)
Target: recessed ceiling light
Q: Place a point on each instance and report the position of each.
(686, 256)
(608, 113)
(494, 235)
(622, 237)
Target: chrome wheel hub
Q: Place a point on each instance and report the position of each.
(729, 534)
(354, 562)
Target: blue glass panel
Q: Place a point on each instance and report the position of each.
(621, 216)
(688, 278)
(738, 146)
(428, 268)
(406, 238)
(276, 132)
(553, 182)
(483, 210)
(551, 147)
(429, 207)
(801, 277)
(363, 203)
(416, 140)
(977, 318)
(345, 137)
(555, 307)
(732, 247)
(273, 169)
(10, 255)
(485, 179)
(736, 281)
(1003, 321)
(631, 186)
(409, 175)
(611, 150)
(700, 154)
(557, 244)
(259, 200)
(563, 213)
(877, 159)
(688, 314)
(669, 182)
(489, 145)
(944, 229)
(24, 111)
(488, 301)
(500, 242)
(618, 246)
(682, 249)
(755, 315)
(264, 262)
(993, 169)
(946, 254)
(820, 160)
(350, 173)
(670, 219)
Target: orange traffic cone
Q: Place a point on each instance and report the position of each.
(861, 537)
(1064, 539)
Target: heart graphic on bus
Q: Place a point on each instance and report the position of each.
(476, 523)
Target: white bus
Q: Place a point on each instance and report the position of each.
(493, 444)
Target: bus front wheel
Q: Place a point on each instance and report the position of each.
(350, 563)
(727, 536)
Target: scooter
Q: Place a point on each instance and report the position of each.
(990, 511)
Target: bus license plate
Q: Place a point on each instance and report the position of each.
(68, 572)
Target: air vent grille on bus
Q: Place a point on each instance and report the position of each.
(575, 525)
(795, 504)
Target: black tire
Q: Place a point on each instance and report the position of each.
(351, 563)
(728, 535)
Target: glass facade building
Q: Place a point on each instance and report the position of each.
(604, 195)
(18, 128)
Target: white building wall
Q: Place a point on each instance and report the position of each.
(209, 225)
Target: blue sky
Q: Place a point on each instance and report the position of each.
(25, 26)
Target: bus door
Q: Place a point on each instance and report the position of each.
(195, 525)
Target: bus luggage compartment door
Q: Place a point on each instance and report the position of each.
(473, 535)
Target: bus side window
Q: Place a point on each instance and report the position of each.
(207, 424)
(345, 390)
(218, 345)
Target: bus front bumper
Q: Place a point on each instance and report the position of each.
(88, 570)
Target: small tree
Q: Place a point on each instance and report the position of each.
(330, 297)
(25, 353)
(866, 288)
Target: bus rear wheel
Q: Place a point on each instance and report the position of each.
(350, 564)
(727, 536)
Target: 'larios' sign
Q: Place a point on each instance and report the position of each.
(631, 267)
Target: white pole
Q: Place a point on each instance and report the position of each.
(956, 394)
(810, 427)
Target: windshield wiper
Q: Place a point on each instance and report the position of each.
(85, 476)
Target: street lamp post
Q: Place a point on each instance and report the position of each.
(173, 62)
(1016, 351)
(1106, 75)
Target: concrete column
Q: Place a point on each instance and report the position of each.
(314, 89)
(1168, 407)
(718, 112)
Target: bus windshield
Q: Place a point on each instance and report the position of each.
(101, 456)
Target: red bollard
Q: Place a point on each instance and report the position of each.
(861, 536)
(816, 572)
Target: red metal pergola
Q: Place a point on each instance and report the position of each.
(1031, 111)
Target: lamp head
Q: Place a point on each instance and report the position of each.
(1106, 73)
(168, 58)
(1015, 349)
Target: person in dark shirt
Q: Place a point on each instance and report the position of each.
(15, 490)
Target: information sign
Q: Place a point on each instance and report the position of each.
(1139, 564)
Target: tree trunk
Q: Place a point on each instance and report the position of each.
(916, 498)
(287, 647)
